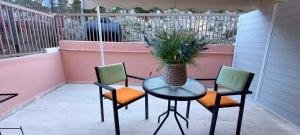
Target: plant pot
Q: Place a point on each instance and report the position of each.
(175, 74)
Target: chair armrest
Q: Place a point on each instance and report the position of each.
(206, 79)
(9, 94)
(6, 96)
(105, 86)
(135, 77)
(234, 93)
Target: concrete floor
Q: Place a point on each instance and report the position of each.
(73, 109)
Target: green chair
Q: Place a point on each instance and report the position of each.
(114, 73)
(238, 82)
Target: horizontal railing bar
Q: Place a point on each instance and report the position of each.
(151, 14)
(76, 14)
(20, 54)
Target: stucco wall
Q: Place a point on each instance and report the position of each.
(80, 58)
(30, 76)
(34, 75)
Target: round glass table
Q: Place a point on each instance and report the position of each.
(191, 90)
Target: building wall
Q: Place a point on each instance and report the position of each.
(253, 32)
(34, 75)
(80, 58)
(29, 76)
(280, 88)
(279, 66)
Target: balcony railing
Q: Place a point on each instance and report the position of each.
(220, 28)
(25, 31)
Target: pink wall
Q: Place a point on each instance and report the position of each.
(33, 75)
(80, 57)
(29, 76)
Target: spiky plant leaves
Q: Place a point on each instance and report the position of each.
(176, 46)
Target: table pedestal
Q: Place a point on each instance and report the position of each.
(191, 90)
(174, 109)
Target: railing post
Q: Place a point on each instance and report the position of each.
(14, 30)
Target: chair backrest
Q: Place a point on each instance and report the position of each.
(234, 79)
(110, 74)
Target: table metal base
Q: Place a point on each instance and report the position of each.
(20, 128)
(174, 109)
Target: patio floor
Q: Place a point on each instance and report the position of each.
(73, 109)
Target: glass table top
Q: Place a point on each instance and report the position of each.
(191, 90)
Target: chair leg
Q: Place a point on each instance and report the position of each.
(146, 107)
(240, 118)
(21, 130)
(239, 123)
(101, 106)
(116, 114)
(214, 121)
(116, 118)
(188, 109)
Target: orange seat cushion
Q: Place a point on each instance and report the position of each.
(209, 100)
(125, 95)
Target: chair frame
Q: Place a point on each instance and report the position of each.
(116, 107)
(215, 109)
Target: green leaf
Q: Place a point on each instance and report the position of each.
(176, 46)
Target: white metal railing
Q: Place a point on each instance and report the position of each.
(220, 28)
(25, 31)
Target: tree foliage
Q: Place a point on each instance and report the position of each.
(75, 6)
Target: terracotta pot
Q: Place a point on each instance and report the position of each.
(175, 74)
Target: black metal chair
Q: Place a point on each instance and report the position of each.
(230, 78)
(121, 97)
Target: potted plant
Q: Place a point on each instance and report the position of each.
(176, 49)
